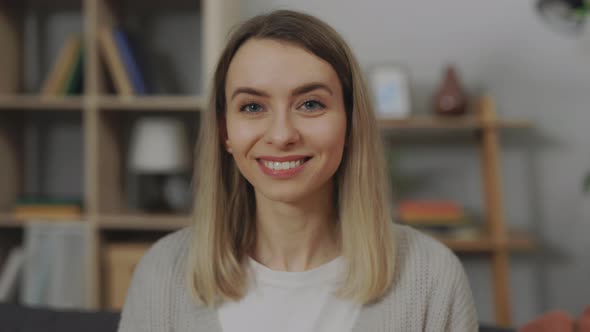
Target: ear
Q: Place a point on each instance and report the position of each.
(223, 135)
(228, 146)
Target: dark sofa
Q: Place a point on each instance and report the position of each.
(15, 318)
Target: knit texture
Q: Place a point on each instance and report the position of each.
(430, 291)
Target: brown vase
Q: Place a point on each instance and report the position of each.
(450, 98)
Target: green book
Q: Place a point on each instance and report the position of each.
(48, 201)
(73, 83)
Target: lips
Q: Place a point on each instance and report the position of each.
(284, 158)
(282, 167)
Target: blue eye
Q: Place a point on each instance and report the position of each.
(251, 108)
(312, 105)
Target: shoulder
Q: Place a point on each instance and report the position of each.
(425, 266)
(157, 282)
(418, 252)
(167, 251)
(170, 245)
(430, 282)
(165, 260)
(430, 290)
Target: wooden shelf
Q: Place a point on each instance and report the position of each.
(139, 103)
(9, 217)
(485, 244)
(436, 122)
(152, 103)
(38, 103)
(8, 220)
(143, 222)
(139, 222)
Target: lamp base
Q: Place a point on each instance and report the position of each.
(151, 194)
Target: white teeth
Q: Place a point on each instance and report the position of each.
(278, 166)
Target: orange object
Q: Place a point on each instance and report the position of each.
(583, 323)
(419, 215)
(438, 207)
(553, 321)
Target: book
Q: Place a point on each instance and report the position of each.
(438, 207)
(74, 81)
(430, 212)
(43, 200)
(54, 272)
(50, 207)
(47, 215)
(114, 62)
(418, 215)
(47, 208)
(434, 221)
(10, 275)
(465, 231)
(63, 66)
(130, 62)
(66, 209)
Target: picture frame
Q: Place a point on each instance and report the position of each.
(390, 87)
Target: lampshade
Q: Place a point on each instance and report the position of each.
(159, 145)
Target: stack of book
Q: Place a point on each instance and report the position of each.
(446, 218)
(121, 62)
(66, 75)
(54, 273)
(48, 209)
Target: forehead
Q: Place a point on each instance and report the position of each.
(277, 65)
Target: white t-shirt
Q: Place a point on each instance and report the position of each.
(291, 301)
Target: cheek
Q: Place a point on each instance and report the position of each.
(329, 137)
(241, 135)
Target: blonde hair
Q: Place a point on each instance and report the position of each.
(225, 212)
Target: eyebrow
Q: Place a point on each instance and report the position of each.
(296, 92)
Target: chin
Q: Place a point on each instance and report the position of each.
(283, 196)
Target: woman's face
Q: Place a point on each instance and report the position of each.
(285, 118)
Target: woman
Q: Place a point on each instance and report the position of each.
(293, 229)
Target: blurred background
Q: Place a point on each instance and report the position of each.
(483, 106)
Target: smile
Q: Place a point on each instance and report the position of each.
(282, 167)
(277, 166)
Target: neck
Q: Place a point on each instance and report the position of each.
(295, 237)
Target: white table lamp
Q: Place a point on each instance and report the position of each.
(159, 146)
(159, 153)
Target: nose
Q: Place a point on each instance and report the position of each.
(281, 130)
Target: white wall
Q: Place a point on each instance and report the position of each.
(503, 48)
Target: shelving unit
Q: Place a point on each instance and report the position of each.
(496, 241)
(106, 118)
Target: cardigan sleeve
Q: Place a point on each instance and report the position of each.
(155, 282)
(138, 304)
(451, 306)
(462, 312)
